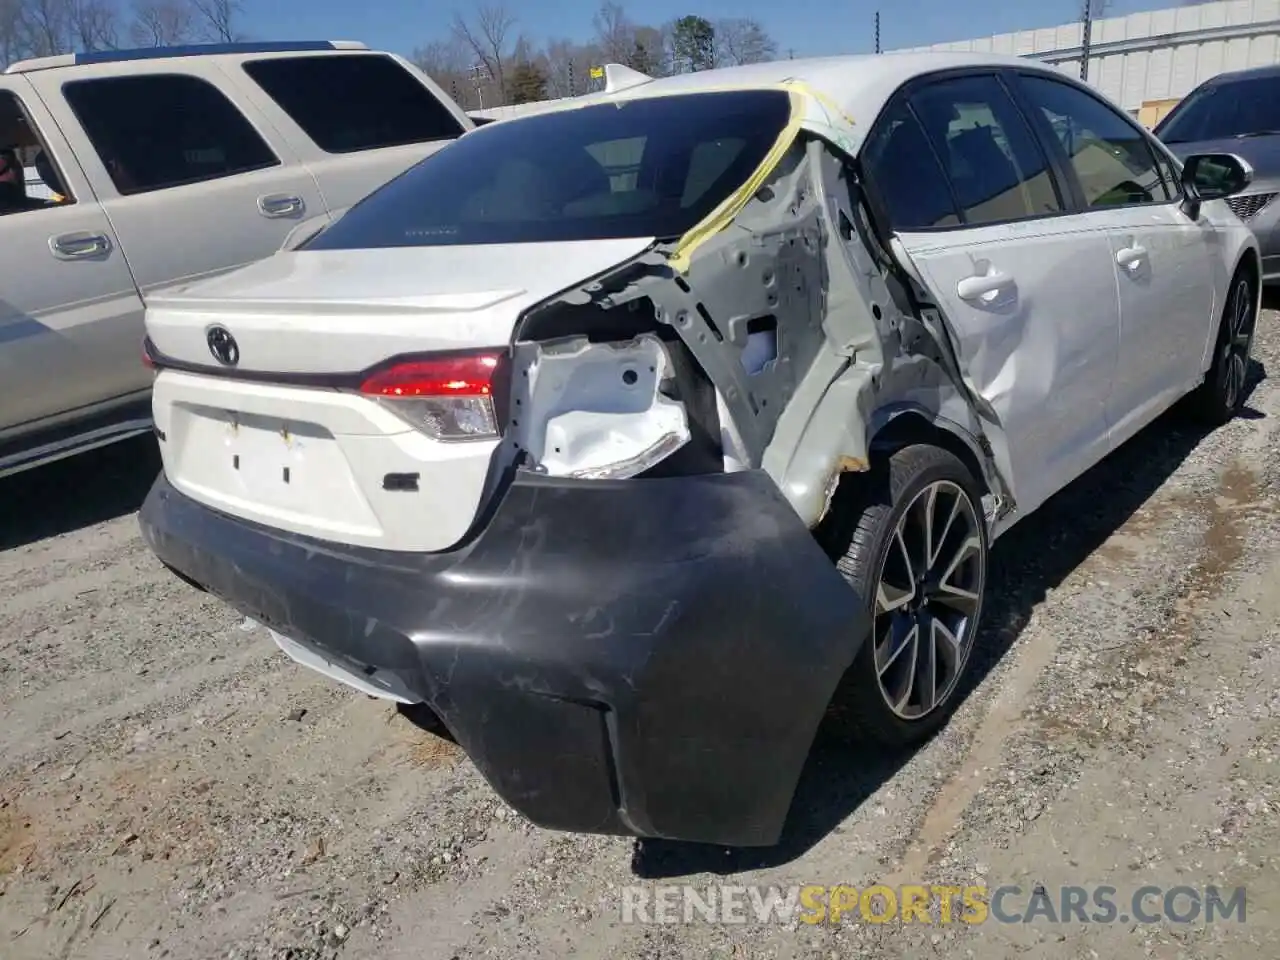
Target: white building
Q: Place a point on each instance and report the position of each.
(1149, 61)
(1145, 61)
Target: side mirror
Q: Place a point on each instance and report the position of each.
(1213, 176)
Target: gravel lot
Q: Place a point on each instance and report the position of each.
(171, 786)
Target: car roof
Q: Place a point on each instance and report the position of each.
(1269, 71)
(859, 85)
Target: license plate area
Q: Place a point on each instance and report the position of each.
(267, 464)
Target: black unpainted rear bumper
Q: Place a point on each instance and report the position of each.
(643, 657)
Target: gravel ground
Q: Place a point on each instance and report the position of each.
(171, 786)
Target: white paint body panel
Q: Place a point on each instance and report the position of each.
(346, 310)
(337, 447)
(327, 312)
(1042, 349)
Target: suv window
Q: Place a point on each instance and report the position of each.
(1110, 155)
(651, 167)
(906, 174)
(996, 167)
(165, 130)
(29, 178)
(1224, 109)
(354, 102)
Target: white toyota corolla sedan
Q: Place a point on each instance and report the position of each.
(632, 435)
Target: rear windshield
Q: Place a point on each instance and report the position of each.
(650, 167)
(1234, 108)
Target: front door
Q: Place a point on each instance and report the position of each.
(1161, 257)
(1026, 287)
(70, 317)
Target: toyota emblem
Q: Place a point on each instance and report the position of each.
(223, 346)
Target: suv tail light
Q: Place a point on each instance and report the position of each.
(448, 398)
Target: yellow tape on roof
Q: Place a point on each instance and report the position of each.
(732, 205)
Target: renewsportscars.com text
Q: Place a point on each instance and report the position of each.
(931, 904)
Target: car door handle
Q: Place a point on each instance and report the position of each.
(280, 205)
(79, 246)
(1131, 257)
(982, 287)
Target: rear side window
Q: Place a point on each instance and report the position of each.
(354, 102)
(650, 167)
(905, 171)
(996, 167)
(165, 130)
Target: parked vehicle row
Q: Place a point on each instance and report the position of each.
(635, 435)
(161, 167)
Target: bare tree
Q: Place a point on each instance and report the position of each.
(615, 33)
(740, 40)
(448, 63)
(94, 24)
(162, 23)
(487, 39)
(216, 19)
(11, 39)
(44, 27)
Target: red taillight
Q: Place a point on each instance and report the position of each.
(463, 376)
(448, 398)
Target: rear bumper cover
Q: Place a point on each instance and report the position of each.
(647, 658)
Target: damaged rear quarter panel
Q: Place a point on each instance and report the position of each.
(786, 311)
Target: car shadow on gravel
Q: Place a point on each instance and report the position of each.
(77, 492)
(1032, 559)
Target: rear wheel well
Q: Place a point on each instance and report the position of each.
(908, 428)
(856, 490)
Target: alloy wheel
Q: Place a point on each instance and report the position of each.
(1234, 355)
(928, 599)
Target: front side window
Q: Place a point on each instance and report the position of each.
(351, 102)
(1225, 111)
(165, 130)
(996, 168)
(649, 167)
(1111, 156)
(29, 178)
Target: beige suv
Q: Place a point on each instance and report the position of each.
(161, 167)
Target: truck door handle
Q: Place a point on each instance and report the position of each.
(1131, 257)
(79, 246)
(280, 205)
(984, 286)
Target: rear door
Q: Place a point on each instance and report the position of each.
(70, 318)
(356, 119)
(1025, 284)
(194, 184)
(1162, 258)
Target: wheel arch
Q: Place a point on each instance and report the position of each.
(903, 425)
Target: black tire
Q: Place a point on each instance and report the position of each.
(1219, 398)
(860, 541)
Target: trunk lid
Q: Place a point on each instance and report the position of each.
(343, 311)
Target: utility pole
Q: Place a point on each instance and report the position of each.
(878, 29)
(1084, 40)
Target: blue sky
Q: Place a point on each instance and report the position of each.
(810, 27)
